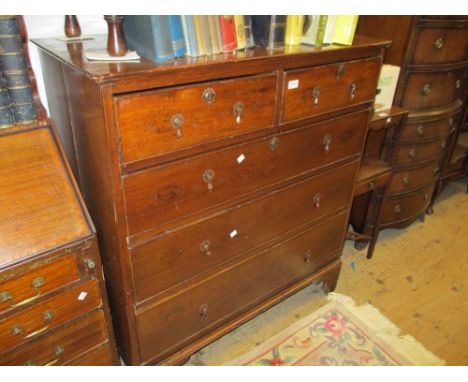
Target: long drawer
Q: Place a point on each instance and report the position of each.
(170, 192)
(419, 131)
(225, 294)
(61, 346)
(312, 91)
(44, 316)
(407, 180)
(187, 251)
(157, 122)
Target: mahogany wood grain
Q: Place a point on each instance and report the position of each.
(170, 192)
(421, 152)
(373, 173)
(415, 131)
(173, 321)
(324, 88)
(100, 356)
(412, 179)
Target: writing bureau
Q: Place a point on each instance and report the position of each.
(219, 185)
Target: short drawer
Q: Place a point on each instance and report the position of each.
(166, 193)
(226, 294)
(61, 346)
(187, 251)
(102, 356)
(440, 46)
(157, 122)
(23, 326)
(430, 90)
(404, 181)
(307, 92)
(28, 286)
(405, 207)
(419, 152)
(415, 131)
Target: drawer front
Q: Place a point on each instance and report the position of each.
(320, 89)
(406, 207)
(423, 130)
(22, 327)
(429, 90)
(235, 289)
(420, 152)
(193, 249)
(440, 45)
(101, 356)
(30, 285)
(170, 192)
(412, 179)
(61, 346)
(158, 122)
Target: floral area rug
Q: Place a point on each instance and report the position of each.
(338, 334)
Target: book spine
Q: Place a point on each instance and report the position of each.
(215, 34)
(330, 29)
(199, 35)
(162, 38)
(15, 72)
(345, 29)
(139, 35)
(277, 29)
(177, 35)
(322, 24)
(261, 29)
(293, 31)
(191, 36)
(228, 33)
(206, 35)
(240, 31)
(249, 37)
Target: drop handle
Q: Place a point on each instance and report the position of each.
(405, 180)
(426, 89)
(208, 177)
(413, 153)
(307, 255)
(316, 200)
(420, 130)
(205, 247)
(315, 95)
(352, 90)
(327, 140)
(397, 209)
(177, 120)
(36, 284)
(238, 109)
(439, 43)
(203, 312)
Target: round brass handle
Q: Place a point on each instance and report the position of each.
(274, 143)
(205, 247)
(420, 130)
(413, 153)
(208, 95)
(397, 209)
(177, 120)
(439, 43)
(16, 330)
(427, 89)
(406, 180)
(307, 255)
(203, 311)
(426, 197)
(208, 177)
(91, 264)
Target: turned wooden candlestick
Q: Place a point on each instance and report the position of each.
(72, 26)
(116, 45)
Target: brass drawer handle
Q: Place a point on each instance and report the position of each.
(352, 90)
(457, 84)
(436, 170)
(413, 153)
(316, 200)
(315, 95)
(340, 70)
(406, 180)
(397, 209)
(59, 350)
(90, 263)
(327, 140)
(238, 109)
(427, 89)
(37, 283)
(274, 143)
(442, 144)
(205, 247)
(208, 95)
(203, 311)
(439, 43)
(450, 122)
(426, 197)
(177, 120)
(17, 330)
(208, 177)
(307, 255)
(371, 185)
(420, 130)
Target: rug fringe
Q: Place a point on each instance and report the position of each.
(413, 350)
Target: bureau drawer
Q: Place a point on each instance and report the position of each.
(101, 356)
(429, 90)
(320, 89)
(61, 346)
(176, 256)
(227, 293)
(440, 45)
(23, 326)
(412, 179)
(420, 152)
(157, 122)
(28, 286)
(406, 207)
(414, 131)
(166, 193)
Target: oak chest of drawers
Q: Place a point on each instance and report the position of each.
(53, 304)
(219, 185)
(432, 52)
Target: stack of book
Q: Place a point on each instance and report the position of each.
(163, 38)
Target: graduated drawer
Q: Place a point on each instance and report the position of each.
(419, 152)
(434, 89)
(102, 356)
(187, 251)
(169, 192)
(42, 317)
(154, 123)
(406, 207)
(440, 46)
(316, 90)
(26, 287)
(416, 131)
(227, 293)
(61, 346)
(406, 180)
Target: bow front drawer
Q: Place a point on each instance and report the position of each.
(421, 131)
(407, 180)
(154, 123)
(320, 89)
